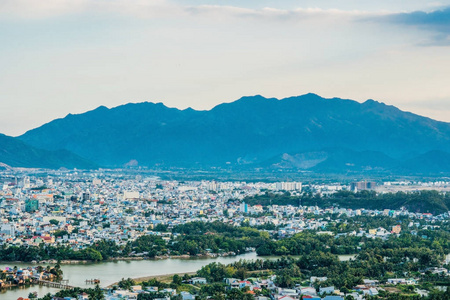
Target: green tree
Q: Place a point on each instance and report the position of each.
(54, 222)
(176, 279)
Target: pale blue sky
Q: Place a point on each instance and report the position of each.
(70, 56)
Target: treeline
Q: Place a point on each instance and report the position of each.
(195, 238)
(376, 264)
(433, 247)
(200, 238)
(345, 224)
(94, 293)
(46, 252)
(308, 241)
(421, 201)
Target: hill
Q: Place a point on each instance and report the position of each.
(249, 132)
(16, 153)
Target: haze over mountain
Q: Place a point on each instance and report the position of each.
(16, 153)
(305, 132)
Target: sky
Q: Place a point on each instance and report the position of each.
(70, 56)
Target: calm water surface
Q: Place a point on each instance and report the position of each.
(110, 272)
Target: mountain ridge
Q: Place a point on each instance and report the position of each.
(15, 153)
(248, 131)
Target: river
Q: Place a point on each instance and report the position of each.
(110, 272)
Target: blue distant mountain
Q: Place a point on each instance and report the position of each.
(16, 153)
(306, 132)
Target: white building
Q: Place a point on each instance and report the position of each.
(288, 186)
(8, 229)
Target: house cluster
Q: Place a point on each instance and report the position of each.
(13, 276)
(82, 296)
(78, 209)
(134, 291)
(254, 286)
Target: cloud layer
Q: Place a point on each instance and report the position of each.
(69, 56)
(437, 21)
(31, 9)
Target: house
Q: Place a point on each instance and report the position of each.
(309, 297)
(229, 281)
(83, 296)
(136, 288)
(308, 291)
(356, 296)
(313, 279)
(187, 296)
(123, 294)
(234, 284)
(373, 292)
(265, 283)
(244, 283)
(370, 282)
(396, 280)
(326, 290)
(333, 298)
(199, 280)
(288, 292)
(24, 272)
(285, 298)
(169, 291)
(152, 289)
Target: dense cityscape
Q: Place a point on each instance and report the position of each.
(55, 218)
(224, 150)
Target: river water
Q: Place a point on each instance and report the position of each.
(111, 272)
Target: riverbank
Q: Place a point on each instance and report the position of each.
(111, 271)
(166, 278)
(131, 258)
(14, 285)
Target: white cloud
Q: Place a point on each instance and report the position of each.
(32, 9)
(29, 9)
(277, 14)
(41, 9)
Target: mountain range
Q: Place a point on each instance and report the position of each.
(306, 132)
(14, 152)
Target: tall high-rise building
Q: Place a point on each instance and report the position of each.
(363, 185)
(243, 207)
(288, 186)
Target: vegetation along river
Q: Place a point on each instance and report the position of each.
(110, 272)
